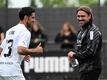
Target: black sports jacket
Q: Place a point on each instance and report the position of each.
(88, 48)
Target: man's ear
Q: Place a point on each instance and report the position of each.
(25, 17)
(90, 16)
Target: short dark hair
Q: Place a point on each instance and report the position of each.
(25, 11)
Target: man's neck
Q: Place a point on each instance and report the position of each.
(23, 22)
(87, 25)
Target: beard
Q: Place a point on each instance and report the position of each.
(86, 24)
(29, 26)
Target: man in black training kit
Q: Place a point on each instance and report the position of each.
(88, 47)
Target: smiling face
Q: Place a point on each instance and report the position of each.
(83, 17)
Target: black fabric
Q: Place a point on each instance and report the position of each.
(71, 38)
(88, 51)
(40, 36)
(91, 75)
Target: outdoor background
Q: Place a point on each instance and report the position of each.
(52, 14)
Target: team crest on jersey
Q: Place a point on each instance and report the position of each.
(11, 32)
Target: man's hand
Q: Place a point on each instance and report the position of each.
(70, 55)
(27, 58)
(39, 48)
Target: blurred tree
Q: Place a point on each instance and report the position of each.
(33, 3)
(68, 3)
(89, 2)
(2, 3)
(58, 3)
(53, 3)
(105, 2)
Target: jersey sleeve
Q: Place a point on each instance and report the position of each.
(24, 39)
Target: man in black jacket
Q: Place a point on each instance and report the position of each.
(88, 48)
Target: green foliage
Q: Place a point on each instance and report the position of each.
(2, 3)
(88, 2)
(59, 3)
(54, 3)
(33, 3)
(64, 3)
(106, 2)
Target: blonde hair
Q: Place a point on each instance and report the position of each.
(70, 27)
